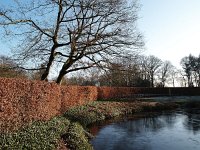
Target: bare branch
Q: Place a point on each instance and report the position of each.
(74, 34)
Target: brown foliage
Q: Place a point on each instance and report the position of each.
(23, 101)
(117, 92)
(133, 92)
(77, 95)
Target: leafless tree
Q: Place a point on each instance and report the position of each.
(143, 62)
(197, 70)
(165, 72)
(124, 72)
(187, 67)
(181, 78)
(150, 65)
(174, 76)
(191, 68)
(73, 34)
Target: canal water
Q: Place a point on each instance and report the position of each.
(178, 130)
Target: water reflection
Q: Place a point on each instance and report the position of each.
(192, 122)
(177, 130)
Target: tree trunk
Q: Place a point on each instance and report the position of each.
(51, 59)
(152, 80)
(60, 77)
(152, 83)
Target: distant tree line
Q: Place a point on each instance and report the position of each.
(137, 71)
(144, 71)
(140, 71)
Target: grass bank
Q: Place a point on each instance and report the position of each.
(47, 136)
(68, 131)
(98, 111)
(38, 135)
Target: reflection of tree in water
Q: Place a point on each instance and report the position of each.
(141, 125)
(192, 122)
(151, 124)
(151, 132)
(136, 133)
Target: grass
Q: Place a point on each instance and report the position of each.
(70, 127)
(92, 112)
(98, 111)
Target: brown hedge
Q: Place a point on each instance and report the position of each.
(24, 101)
(117, 92)
(105, 93)
(76, 95)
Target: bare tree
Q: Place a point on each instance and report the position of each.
(181, 78)
(74, 34)
(165, 72)
(143, 62)
(196, 70)
(174, 76)
(191, 67)
(124, 72)
(151, 65)
(186, 64)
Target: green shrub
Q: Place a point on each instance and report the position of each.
(38, 136)
(86, 114)
(76, 138)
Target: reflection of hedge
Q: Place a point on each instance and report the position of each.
(22, 101)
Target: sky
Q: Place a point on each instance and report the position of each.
(171, 29)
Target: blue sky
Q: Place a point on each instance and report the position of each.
(171, 29)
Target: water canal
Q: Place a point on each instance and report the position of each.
(177, 130)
